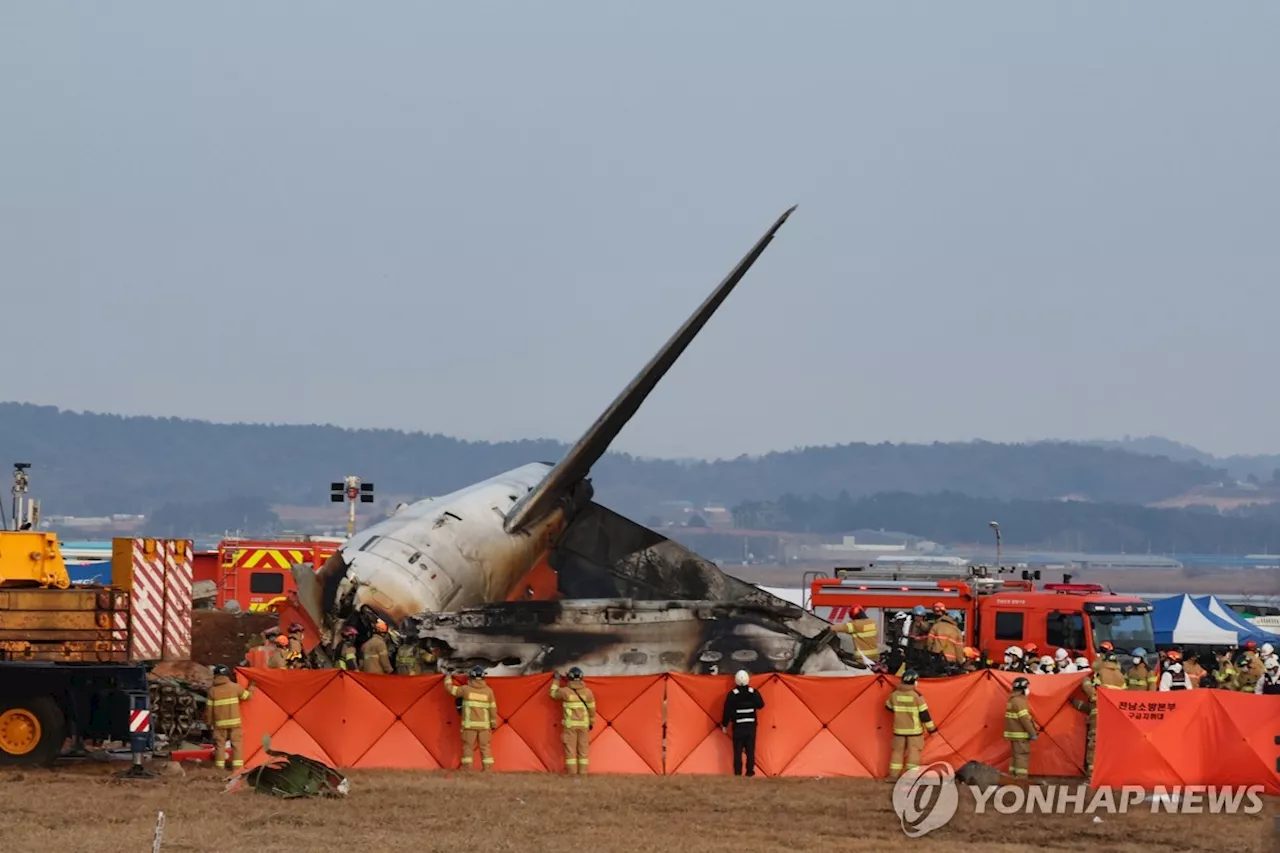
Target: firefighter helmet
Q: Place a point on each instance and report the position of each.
(282, 641)
(574, 673)
(910, 677)
(477, 671)
(1022, 684)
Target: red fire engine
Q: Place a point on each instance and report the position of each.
(257, 573)
(994, 614)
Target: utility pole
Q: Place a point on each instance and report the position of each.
(996, 527)
(351, 490)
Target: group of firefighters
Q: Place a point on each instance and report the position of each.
(937, 643)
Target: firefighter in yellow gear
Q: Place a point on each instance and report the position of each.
(222, 714)
(910, 711)
(946, 640)
(374, 657)
(479, 717)
(865, 633)
(1019, 727)
(279, 657)
(972, 660)
(1109, 675)
(347, 660)
(579, 706)
(1140, 677)
(297, 655)
(1088, 705)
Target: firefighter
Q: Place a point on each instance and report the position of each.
(1194, 670)
(279, 657)
(1019, 727)
(373, 654)
(971, 662)
(740, 708)
(297, 654)
(579, 706)
(866, 639)
(909, 712)
(1245, 680)
(1253, 669)
(1109, 674)
(1224, 676)
(1140, 677)
(919, 635)
(1269, 684)
(1062, 661)
(408, 659)
(479, 716)
(1174, 677)
(222, 713)
(946, 640)
(1104, 648)
(1013, 660)
(347, 659)
(1088, 705)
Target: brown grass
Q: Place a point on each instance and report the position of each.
(85, 810)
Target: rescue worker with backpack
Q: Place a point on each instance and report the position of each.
(1269, 684)
(374, 658)
(347, 659)
(479, 716)
(1140, 677)
(910, 711)
(579, 706)
(222, 714)
(1019, 727)
(1174, 677)
(946, 640)
(1109, 675)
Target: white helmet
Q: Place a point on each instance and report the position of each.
(1266, 650)
(1046, 662)
(1082, 662)
(1061, 654)
(741, 678)
(1013, 651)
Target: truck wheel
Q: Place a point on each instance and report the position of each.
(31, 730)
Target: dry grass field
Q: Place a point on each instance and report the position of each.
(86, 810)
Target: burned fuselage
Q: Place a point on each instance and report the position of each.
(626, 637)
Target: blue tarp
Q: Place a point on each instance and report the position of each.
(1181, 621)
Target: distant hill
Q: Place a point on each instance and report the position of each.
(1239, 467)
(1051, 525)
(91, 464)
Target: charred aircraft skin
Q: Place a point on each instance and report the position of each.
(626, 637)
(449, 562)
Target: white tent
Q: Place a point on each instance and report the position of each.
(1248, 631)
(1179, 621)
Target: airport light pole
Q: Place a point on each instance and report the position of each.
(351, 490)
(996, 527)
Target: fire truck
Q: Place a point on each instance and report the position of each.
(994, 613)
(256, 573)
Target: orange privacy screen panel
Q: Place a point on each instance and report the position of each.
(809, 726)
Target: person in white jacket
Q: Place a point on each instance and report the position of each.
(1062, 661)
(1269, 683)
(1174, 678)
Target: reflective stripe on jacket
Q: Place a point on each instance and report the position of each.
(1018, 724)
(223, 708)
(909, 710)
(865, 636)
(579, 704)
(479, 705)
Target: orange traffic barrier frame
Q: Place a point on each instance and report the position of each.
(657, 725)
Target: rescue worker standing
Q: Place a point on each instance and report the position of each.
(1269, 684)
(373, 654)
(909, 712)
(279, 657)
(479, 717)
(1019, 727)
(408, 660)
(740, 708)
(866, 640)
(347, 659)
(1109, 674)
(1088, 705)
(1140, 677)
(946, 640)
(579, 705)
(1173, 678)
(222, 713)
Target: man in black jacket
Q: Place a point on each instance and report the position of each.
(740, 708)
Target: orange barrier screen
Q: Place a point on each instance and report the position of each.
(810, 726)
(1192, 737)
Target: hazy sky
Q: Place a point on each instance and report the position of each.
(1017, 220)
